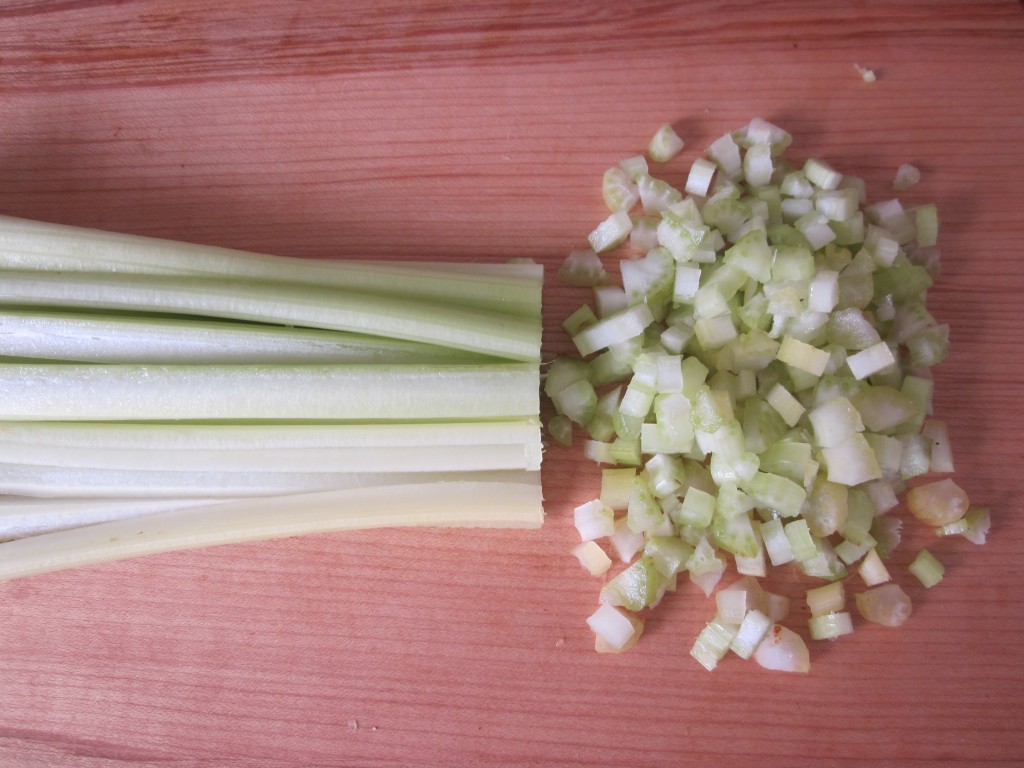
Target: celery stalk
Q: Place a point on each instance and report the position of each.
(472, 504)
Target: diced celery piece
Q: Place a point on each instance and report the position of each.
(735, 535)
(616, 487)
(611, 232)
(713, 643)
(830, 626)
(669, 554)
(697, 509)
(665, 144)
(928, 570)
(775, 493)
(643, 511)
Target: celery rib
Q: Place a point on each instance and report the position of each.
(465, 504)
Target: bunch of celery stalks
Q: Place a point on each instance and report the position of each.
(157, 396)
(755, 381)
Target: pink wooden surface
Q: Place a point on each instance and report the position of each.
(480, 131)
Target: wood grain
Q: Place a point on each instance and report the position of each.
(480, 132)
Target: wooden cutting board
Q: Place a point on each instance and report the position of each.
(480, 132)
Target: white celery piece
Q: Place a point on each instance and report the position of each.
(698, 182)
(830, 626)
(907, 176)
(611, 232)
(41, 392)
(582, 267)
(621, 326)
(469, 328)
(872, 570)
(612, 626)
(463, 504)
(872, 360)
(594, 520)
(34, 245)
(830, 598)
(751, 632)
(783, 650)
(887, 605)
(665, 144)
(821, 174)
(787, 406)
(54, 334)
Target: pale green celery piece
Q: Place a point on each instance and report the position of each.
(616, 487)
(578, 320)
(777, 493)
(830, 626)
(633, 409)
(760, 131)
(803, 356)
(835, 421)
(709, 302)
(626, 452)
(738, 470)
(713, 643)
(727, 279)
(715, 332)
(791, 263)
(920, 391)
(776, 543)
(837, 204)
(815, 227)
(705, 562)
(821, 174)
(795, 209)
(796, 184)
(856, 289)
(785, 301)
(974, 526)
(669, 554)
(753, 255)
(929, 347)
(726, 154)
(32, 245)
(753, 629)
(762, 426)
(650, 280)
(753, 313)
(827, 507)
(860, 518)
(732, 502)
(928, 570)
(598, 451)
(926, 219)
(609, 299)
(562, 372)
(670, 374)
(827, 599)
(850, 231)
(697, 509)
(672, 416)
(882, 409)
(708, 413)
(577, 401)
(636, 587)
(758, 165)
(665, 474)
(850, 553)
(772, 199)
(635, 166)
(833, 386)
(726, 442)
(695, 373)
(643, 511)
(618, 327)
(735, 535)
(852, 461)
(656, 195)
(787, 458)
(682, 236)
(619, 190)
(787, 234)
(915, 459)
(872, 570)
(471, 504)
(725, 214)
(825, 564)
(903, 283)
(787, 406)
(314, 392)
(883, 245)
(850, 328)
(610, 367)
(675, 338)
(686, 283)
(601, 426)
(96, 337)
(456, 326)
(610, 233)
(664, 145)
(560, 428)
(800, 540)
(875, 361)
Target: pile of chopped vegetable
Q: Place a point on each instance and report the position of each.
(157, 395)
(757, 391)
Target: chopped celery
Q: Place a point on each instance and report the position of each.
(926, 567)
(773, 346)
